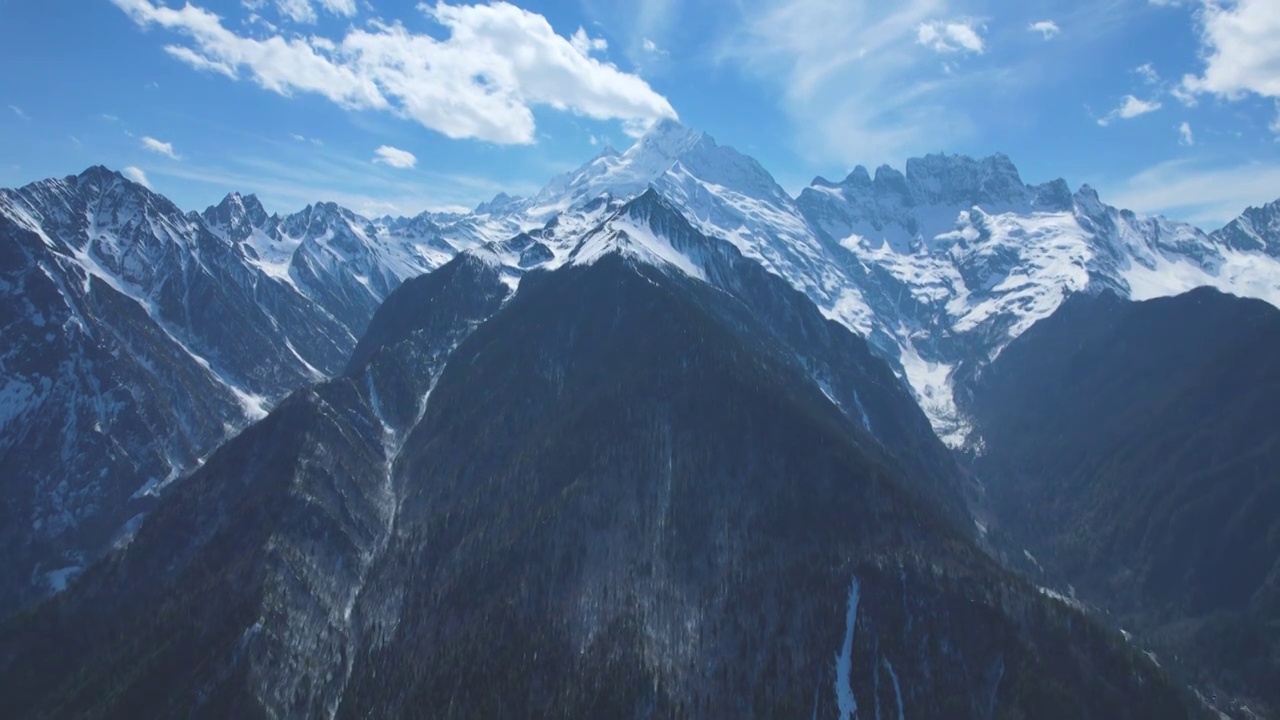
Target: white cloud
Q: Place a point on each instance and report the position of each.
(346, 8)
(137, 175)
(297, 10)
(1131, 107)
(1047, 28)
(1199, 193)
(1240, 49)
(1185, 136)
(1184, 96)
(1275, 124)
(948, 37)
(649, 45)
(200, 62)
(482, 81)
(585, 44)
(156, 146)
(302, 10)
(19, 112)
(1147, 72)
(394, 157)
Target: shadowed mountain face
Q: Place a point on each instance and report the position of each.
(1133, 449)
(137, 338)
(135, 341)
(617, 493)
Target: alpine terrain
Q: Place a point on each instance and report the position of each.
(657, 440)
(650, 481)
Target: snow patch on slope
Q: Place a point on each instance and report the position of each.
(1247, 274)
(626, 236)
(845, 700)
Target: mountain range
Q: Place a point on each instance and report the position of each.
(1132, 451)
(141, 339)
(652, 481)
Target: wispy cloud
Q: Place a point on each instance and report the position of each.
(852, 75)
(1206, 195)
(287, 185)
(482, 81)
(394, 157)
(137, 175)
(304, 11)
(1130, 107)
(19, 112)
(159, 147)
(585, 44)
(1185, 136)
(950, 37)
(1147, 73)
(1047, 28)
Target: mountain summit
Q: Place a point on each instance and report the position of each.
(938, 267)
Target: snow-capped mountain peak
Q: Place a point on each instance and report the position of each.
(956, 179)
(499, 203)
(626, 174)
(634, 231)
(237, 216)
(1257, 229)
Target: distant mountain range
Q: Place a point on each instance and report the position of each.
(139, 339)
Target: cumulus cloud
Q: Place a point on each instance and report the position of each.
(949, 37)
(1047, 28)
(1239, 48)
(482, 81)
(1185, 136)
(137, 175)
(394, 157)
(1131, 107)
(162, 148)
(1148, 73)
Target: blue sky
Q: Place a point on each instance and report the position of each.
(394, 106)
